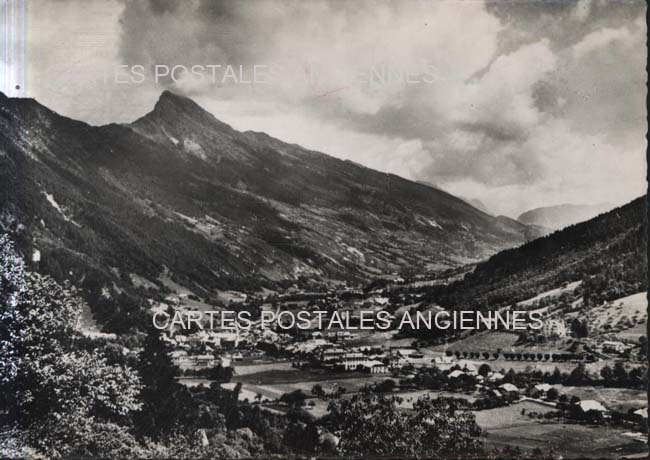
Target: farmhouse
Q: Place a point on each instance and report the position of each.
(542, 388)
(456, 374)
(495, 377)
(589, 405)
(509, 389)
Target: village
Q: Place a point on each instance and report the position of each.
(587, 382)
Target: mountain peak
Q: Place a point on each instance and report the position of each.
(176, 103)
(173, 109)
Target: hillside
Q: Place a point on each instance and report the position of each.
(607, 253)
(179, 193)
(560, 216)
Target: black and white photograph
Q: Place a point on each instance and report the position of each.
(337, 229)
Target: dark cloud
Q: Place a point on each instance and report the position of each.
(163, 6)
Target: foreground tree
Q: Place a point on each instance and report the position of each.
(373, 425)
(48, 385)
(167, 405)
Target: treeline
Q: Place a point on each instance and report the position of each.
(524, 356)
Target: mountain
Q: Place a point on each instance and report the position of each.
(607, 253)
(478, 204)
(180, 197)
(563, 215)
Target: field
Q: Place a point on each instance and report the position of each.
(621, 319)
(482, 341)
(508, 427)
(552, 293)
(620, 399)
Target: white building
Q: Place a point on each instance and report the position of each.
(591, 404)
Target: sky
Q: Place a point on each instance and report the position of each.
(518, 104)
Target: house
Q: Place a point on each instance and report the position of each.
(591, 404)
(614, 347)
(443, 360)
(404, 351)
(332, 354)
(457, 374)
(375, 367)
(509, 389)
(350, 361)
(542, 389)
(495, 377)
(204, 360)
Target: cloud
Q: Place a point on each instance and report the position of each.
(521, 104)
(600, 39)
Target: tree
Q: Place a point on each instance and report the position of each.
(643, 342)
(556, 376)
(385, 386)
(221, 374)
(579, 328)
(167, 405)
(372, 425)
(295, 399)
(48, 382)
(620, 374)
(607, 374)
(317, 390)
(579, 376)
(637, 377)
(552, 394)
(484, 369)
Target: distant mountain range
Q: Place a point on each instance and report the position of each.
(180, 195)
(563, 215)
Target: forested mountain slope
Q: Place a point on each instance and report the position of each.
(608, 253)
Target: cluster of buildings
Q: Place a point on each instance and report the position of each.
(320, 352)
